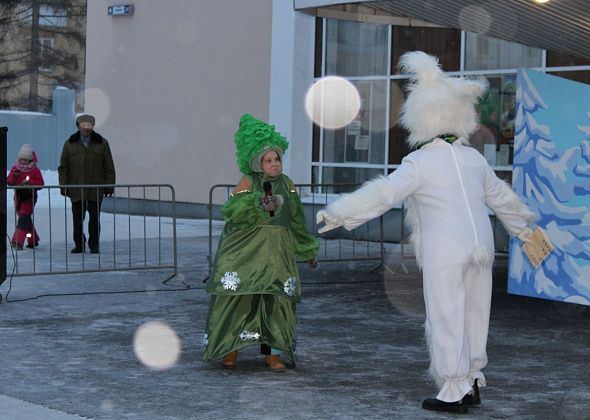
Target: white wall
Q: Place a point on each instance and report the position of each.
(291, 76)
(169, 84)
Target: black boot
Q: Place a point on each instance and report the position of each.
(472, 399)
(79, 249)
(434, 404)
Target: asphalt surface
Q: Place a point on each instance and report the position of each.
(71, 347)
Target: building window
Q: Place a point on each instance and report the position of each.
(494, 138)
(398, 147)
(368, 55)
(444, 43)
(45, 45)
(52, 16)
(557, 59)
(483, 53)
(363, 139)
(347, 152)
(355, 49)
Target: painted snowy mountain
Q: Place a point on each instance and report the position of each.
(552, 174)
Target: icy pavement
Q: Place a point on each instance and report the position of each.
(70, 345)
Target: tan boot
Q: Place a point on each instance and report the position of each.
(274, 362)
(230, 360)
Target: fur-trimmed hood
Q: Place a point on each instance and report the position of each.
(94, 137)
(437, 104)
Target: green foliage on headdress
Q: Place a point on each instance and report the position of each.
(254, 136)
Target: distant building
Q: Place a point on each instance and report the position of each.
(56, 30)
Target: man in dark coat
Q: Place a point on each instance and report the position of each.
(86, 160)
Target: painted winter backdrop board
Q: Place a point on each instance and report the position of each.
(552, 174)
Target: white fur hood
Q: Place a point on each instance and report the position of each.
(437, 104)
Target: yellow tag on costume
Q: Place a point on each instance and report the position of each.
(538, 248)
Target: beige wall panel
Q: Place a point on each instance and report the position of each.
(169, 84)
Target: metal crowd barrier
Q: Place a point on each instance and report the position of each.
(139, 233)
(364, 243)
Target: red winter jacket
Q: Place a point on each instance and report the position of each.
(25, 199)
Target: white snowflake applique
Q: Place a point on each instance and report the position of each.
(290, 286)
(205, 340)
(230, 280)
(249, 335)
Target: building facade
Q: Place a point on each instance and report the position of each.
(168, 85)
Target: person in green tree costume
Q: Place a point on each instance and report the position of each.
(255, 284)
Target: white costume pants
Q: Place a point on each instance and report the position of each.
(457, 320)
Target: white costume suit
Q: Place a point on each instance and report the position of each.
(447, 189)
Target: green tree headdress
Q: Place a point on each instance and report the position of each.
(253, 139)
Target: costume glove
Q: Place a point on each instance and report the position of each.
(271, 202)
(330, 222)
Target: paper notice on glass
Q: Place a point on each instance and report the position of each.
(503, 156)
(361, 142)
(354, 128)
(538, 248)
(489, 152)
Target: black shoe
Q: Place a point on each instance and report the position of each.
(94, 251)
(77, 250)
(434, 404)
(472, 399)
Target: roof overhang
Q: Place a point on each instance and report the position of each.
(558, 25)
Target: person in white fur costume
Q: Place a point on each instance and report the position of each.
(447, 188)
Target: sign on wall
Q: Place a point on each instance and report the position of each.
(552, 174)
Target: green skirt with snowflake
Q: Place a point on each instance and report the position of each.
(255, 288)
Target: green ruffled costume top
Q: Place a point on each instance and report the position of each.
(257, 253)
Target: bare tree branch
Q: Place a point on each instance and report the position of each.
(42, 45)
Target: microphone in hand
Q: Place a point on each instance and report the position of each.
(268, 193)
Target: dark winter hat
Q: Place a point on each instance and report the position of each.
(85, 118)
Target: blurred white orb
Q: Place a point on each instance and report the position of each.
(475, 19)
(107, 406)
(541, 1)
(332, 102)
(156, 345)
(97, 103)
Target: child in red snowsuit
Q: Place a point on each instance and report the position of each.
(25, 172)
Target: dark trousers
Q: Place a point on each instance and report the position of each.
(79, 209)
